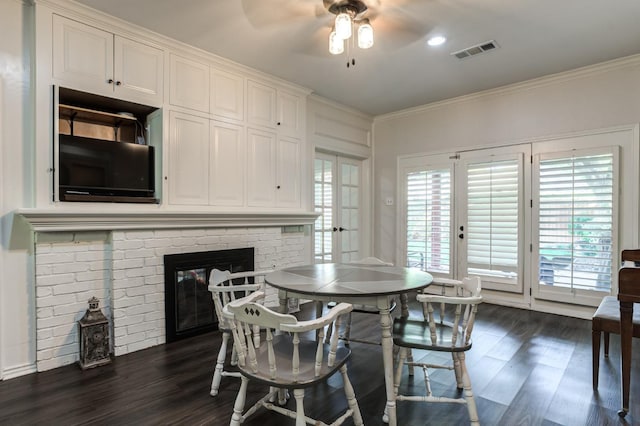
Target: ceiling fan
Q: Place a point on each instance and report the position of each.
(396, 22)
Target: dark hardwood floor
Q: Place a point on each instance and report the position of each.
(527, 368)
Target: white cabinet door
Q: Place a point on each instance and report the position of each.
(189, 84)
(288, 173)
(227, 164)
(82, 56)
(96, 61)
(188, 159)
(261, 173)
(138, 71)
(290, 110)
(227, 95)
(261, 104)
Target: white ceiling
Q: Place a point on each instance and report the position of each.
(288, 39)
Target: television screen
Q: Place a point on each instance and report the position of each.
(105, 168)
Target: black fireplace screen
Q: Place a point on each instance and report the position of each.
(188, 305)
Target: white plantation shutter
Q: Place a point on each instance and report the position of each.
(576, 219)
(428, 220)
(492, 218)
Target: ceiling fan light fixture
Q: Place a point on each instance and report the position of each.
(436, 40)
(336, 44)
(365, 35)
(343, 25)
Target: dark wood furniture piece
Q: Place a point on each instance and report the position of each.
(628, 294)
(607, 320)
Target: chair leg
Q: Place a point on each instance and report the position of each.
(238, 407)
(351, 397)
(402, 356)
(606, 345)
(595, 357)
(468, 391)
(347, 330)
(217, 374)
(457, 368)
(298, 394)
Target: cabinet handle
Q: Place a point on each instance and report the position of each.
(278, 187)
(110, 81)
(118, 83)
(278, 123)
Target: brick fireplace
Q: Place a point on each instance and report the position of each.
(124, 269)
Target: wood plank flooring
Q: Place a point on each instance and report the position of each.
(527, 368)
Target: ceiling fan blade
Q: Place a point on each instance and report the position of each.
(396, 27)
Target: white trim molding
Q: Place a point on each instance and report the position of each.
(56, 220)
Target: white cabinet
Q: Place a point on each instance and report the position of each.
(227, 95)
(272, 107)
(273, 170)
(189, 83)
(188, 171)
(97, 61)
(227, 164)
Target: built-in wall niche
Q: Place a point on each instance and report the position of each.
(103, 149)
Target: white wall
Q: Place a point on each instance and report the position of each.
(596, 97)
(16, 277)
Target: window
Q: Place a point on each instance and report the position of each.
(576, 218)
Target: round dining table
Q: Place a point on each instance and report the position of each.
(371, 285)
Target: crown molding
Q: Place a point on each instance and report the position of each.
(590, 70)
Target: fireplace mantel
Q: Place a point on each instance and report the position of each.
(52, 220)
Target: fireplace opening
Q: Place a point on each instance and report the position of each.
(189, 308)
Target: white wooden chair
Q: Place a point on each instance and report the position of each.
(449, 332)
(364, 309)
(226, 287)
(290, 357)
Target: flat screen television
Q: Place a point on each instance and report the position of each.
(101, 170)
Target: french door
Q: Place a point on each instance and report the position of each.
(542, 220)
(337, 197)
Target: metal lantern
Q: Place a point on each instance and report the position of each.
(93, 331)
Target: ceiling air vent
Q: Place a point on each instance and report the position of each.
(475, 50)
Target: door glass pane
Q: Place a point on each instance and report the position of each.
(428, 220)
(492, 218)
(576, 221)
(323, 204)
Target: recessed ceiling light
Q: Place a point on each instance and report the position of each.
(436, 40)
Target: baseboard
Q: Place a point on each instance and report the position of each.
(17, 371)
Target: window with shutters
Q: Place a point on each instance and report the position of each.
(428, 219)
(493, 206)
(576, 219)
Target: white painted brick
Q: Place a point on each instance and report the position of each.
(44, 291)
(140, 290)
(138, 328)
(157, 277)
(57, 341)
(139, 235)
(128, 244)
(74, 309)
(71, 288)
(132, 338)
(119, 293)
(66, 268)
(100, 265)
(156, 315)
(141, 308)
(54, 280)
(158, 334)
(127, 302)
(57, 362)
(90, 256)
(154, 297)
(128, 264)
(140, 272)
(66, 330)
(139, 253)
(137, 346)
(42, 270)
(117, 255)
(44, 334)
(73, 350)
(44, 312)
(64, 299)
(128, 282)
